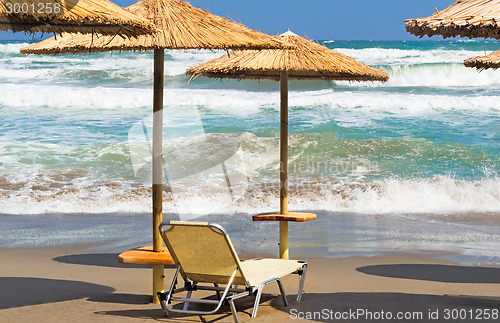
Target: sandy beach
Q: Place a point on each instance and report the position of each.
(70, 284)
(64, 267)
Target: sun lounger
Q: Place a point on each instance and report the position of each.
(206, 259)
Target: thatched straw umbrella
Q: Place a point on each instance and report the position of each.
(484, 62)
(179, 26)
(464, 18)
(307, 61)
(83, 16)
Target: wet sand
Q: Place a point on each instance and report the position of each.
(469, 238)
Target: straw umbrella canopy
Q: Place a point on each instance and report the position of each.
(307, 61)
(83, 16)
(178, 25)
(464, 18)
(484, 62)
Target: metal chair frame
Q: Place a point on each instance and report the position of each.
(230, 293)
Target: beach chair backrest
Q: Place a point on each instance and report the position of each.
(203, 251)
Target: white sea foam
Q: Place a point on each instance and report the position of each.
(12, 47)
(441, 76)
(434, 68)
(392, 56)
(102, 180)
(138, 65)
(437, 195)
(353, 107)
(440, 195)
(401, 103)
(62, 97)
(452, 75)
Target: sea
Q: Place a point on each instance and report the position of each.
(422, 149)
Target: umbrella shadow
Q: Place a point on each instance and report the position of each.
(23, 291)
(117, 298)
(96, 259)
(322, 307)
(154, 314)
(244, 307)
(436, 273)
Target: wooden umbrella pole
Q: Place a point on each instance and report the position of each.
(157, 167)
(284, 143)
(284, 164)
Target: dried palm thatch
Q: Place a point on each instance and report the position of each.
(308, 60)
(465, 18)
(484, 62)
(79, 16)
(179, 26)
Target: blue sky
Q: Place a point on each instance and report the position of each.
(317, 19)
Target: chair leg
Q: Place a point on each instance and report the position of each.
(218, 292)
(186, 304)
(233, 310)
(282, 290)
(165, 298)
(301, 283)
(163, 302)
(257, 300)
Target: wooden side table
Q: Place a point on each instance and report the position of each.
(146, 256)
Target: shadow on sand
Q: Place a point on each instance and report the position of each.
(23, 291)
(436, 273)
(244, 307)
(130, 299)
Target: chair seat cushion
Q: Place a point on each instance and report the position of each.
(257, 271)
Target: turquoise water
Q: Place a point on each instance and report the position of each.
(427, 141)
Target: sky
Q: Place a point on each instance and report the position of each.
(316, 19)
